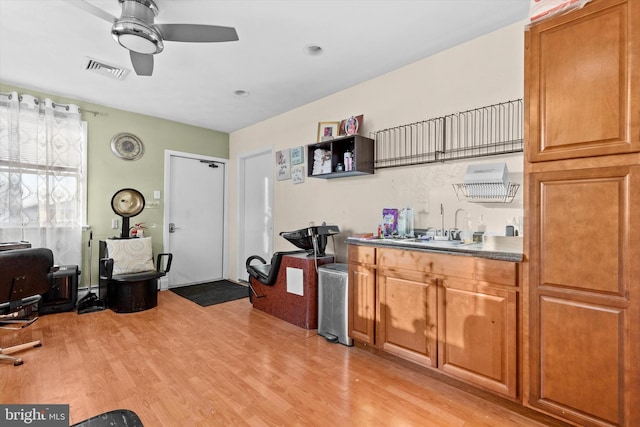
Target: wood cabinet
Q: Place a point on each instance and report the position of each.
(454, 313)
(362, 293)
(477, 330)
(582, 75)
(584, 293)
(406, 310)
(582, 204)
(360, 147)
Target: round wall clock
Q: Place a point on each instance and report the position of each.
(127, 146)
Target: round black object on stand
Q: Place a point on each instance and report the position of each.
(127, 203)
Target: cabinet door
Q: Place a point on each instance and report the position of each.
(407, 316)
(477, 330)
(583, 82)
(584, 279)
(362, 303)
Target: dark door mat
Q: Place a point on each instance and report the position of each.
(211, 293)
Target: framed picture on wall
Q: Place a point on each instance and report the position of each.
(351, 126)
(297, 174)
(283, 168)
(297, 155)
(328, 130)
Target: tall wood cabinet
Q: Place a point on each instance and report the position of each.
(582, 208)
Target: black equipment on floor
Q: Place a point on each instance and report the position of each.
(64, 291)
(26, 275)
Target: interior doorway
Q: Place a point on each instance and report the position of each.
(195, 218)
(255, 207)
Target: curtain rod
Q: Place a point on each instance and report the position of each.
(66, 106)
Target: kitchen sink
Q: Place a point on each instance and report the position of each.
(414, 241)
(441, 243)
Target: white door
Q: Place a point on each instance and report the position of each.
(255, 199)
(195, 218)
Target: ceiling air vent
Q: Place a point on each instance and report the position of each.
(105, 69)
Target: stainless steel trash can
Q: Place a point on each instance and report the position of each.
(333, 303)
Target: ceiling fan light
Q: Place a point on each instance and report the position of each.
(137, 37)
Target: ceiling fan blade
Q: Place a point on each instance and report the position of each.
(142, 63)
(197, 33)
(94, 10)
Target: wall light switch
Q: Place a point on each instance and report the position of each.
(156, 194)
(114, 224)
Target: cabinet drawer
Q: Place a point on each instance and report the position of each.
(481, 269)
(362, 254)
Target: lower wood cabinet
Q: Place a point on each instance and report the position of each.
(477, 330)
(362, 293)
(407, 316)
(453, 313)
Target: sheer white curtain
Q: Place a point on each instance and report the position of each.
(42, 175)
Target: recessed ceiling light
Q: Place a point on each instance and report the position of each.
(313, 50)
(241, 92)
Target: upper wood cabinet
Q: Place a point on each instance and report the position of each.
(582, 82)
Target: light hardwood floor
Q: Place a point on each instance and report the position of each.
(180, 364)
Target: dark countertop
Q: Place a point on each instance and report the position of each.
(494, 247)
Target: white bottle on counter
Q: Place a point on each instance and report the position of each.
(402, 222)
(409, 222)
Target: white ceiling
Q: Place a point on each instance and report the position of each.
(43, 44)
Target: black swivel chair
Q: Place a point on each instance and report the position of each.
(265, 273)
(25, 274)
(131, 292)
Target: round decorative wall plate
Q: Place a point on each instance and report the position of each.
(127, 146)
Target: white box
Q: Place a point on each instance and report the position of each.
(487, 173)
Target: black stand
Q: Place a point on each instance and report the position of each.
(90, 302)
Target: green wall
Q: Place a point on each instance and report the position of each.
(108, 174)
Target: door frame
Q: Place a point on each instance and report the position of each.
(164, 283)
(242, 158)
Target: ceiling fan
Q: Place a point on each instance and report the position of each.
(136, 31)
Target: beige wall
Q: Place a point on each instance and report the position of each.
(482, 72)
(108, 174)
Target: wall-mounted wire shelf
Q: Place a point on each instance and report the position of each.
(485, 131)
(488, 192)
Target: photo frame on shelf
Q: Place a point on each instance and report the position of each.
(283, 168)
(328, 130)
(297, 155)
(297, 174)
(351, 125)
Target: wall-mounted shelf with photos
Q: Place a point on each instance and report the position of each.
(327, 159)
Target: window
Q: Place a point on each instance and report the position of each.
(42, 175)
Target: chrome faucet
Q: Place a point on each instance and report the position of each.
(455, 217)
(442, 219)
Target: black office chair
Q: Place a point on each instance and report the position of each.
(26, 274)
